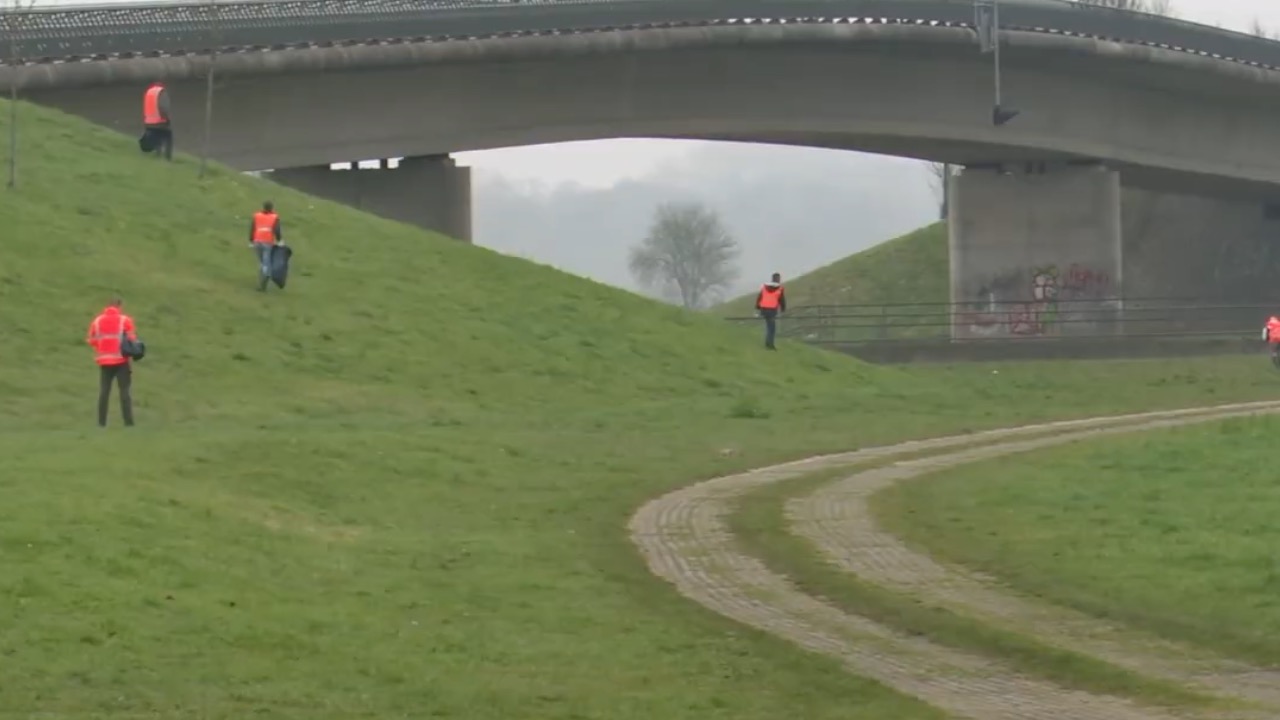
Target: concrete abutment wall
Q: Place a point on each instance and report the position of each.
(430, 192)
(1039, 250)
(1035, 250)
(1205, 249)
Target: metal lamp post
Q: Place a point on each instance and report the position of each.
(216, 27)
(986, 19)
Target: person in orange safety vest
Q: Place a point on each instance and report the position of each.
(771, 301)
(1271, 333)
(264, 235)
(157, 130)
(105, 334)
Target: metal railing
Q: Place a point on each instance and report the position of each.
(1012, 321)
(47, 35)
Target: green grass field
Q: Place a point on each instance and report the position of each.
(399, 488)
(1173, 531)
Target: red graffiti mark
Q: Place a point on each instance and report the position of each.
(1032, 318)
(1080, 277)
(1025, 321)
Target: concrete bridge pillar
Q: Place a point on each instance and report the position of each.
(1035, 251)
(431, 192)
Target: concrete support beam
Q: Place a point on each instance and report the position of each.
(431, 192)
(1035, 251)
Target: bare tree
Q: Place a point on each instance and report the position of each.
(1257, 28)
(1155, 7)
(13, 22)
(688, 253)
(939, 175)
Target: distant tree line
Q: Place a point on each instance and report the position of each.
(1155, 7)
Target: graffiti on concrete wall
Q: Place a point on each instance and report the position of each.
(1034, 301)
(1085, 283)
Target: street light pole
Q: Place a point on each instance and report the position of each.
(986, 17)
(13, 21)
(208, 91)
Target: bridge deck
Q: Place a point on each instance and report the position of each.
(86, 33)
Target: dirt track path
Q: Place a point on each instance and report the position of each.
(684, 538)
(838, 520)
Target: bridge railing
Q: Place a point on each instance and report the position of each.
(1023, 320)
(54, 34)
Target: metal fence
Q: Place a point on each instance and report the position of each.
(1013, 321)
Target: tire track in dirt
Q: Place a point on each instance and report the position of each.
(837, 519)
(685, 539)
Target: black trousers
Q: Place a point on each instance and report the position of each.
(123, 376)
(162, 141)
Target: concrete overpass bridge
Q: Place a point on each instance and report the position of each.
(1131, 124)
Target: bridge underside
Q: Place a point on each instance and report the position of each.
(430, 192)
(971, 154)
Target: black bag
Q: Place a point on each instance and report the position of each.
(147, 142)
(280, 255)
(132, 349)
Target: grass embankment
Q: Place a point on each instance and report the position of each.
(759, 522)
(1173, 531)
(400, 487)
(906, 270)
(909, 269)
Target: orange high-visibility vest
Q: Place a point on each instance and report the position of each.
(1273, 330)
(104, 335)
(769, 297)
(264, 227)
(151, 106)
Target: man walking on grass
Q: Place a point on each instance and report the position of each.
(157, 128)
(264, 236)
(1271, 333)
(106, 332)
(770, 302)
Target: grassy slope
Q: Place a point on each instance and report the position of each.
(1173, 530)
(909, 269)
(400, 486)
